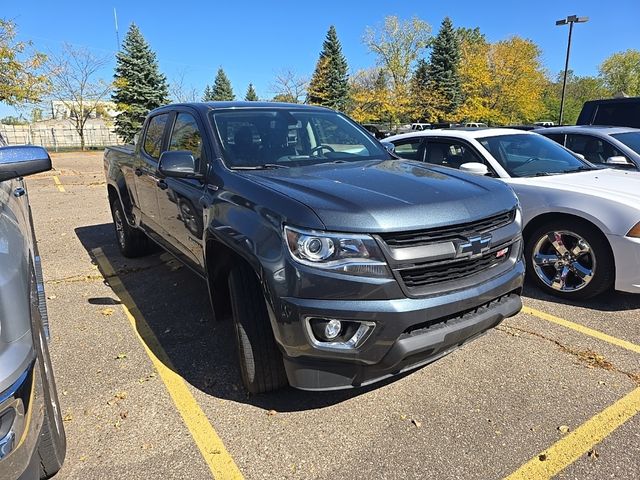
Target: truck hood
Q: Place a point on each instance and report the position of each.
(390, 195)
(616, 185)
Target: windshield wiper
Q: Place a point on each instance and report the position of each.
(582, 168)
(265, 166)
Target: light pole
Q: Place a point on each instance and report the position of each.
(571, 19)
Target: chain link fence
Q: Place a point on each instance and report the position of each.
(59, 137)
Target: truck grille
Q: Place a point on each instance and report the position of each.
(435, 235)
(436, 272)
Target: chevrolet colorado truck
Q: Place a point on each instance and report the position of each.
(340, 263)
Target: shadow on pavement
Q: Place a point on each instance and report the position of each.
(606, 302)
(175, 304)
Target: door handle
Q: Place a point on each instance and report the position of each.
(138, 172)
(18, 192)
(162, 185)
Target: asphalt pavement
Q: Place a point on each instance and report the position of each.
(150, 388)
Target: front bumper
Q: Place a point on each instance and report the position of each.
(409, 332)
(626, 251)
(21, 419)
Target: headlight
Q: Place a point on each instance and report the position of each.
(339, 252)
(635, 231)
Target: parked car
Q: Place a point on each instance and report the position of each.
(618, 112)
(32, 438)
(581, 224)
(612, 147)
(544, 123)
(377, 130)
(420, 126)
(475, 125)
(342, 264)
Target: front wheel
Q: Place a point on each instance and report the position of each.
(570, 259)
(261, 363)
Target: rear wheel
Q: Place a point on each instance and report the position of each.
(131, 241)
(261, 363)
(570, 259)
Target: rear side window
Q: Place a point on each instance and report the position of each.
(153, 137)
(622, 114)
(186, 135)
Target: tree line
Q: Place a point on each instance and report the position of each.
(453, 76)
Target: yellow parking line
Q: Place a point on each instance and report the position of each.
(566, 451)
(582, 329)
(209, 443)
(58, 183)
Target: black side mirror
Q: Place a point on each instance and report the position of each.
(20, 161)
(178, 164)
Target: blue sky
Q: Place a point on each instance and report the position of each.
(253, 40)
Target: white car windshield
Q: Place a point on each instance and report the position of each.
(527, 155)
(281, 137)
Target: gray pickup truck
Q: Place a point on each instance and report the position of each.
(32, 438)
(340, 263)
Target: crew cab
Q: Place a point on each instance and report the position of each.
(341, 263)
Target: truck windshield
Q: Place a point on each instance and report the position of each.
(530, 155)
(278, 137)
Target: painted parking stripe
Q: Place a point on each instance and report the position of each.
(582, 329)
(577, 443)
(209, 443)
(58, 183)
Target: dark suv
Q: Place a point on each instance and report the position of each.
(32, 439)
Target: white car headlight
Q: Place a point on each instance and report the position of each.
(339, 252)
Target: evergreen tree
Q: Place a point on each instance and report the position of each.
(443, 67)
(208, 94)
(221, 90)
(329, 84)
(251, 95)
(138, 84)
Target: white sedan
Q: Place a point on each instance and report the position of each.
(581, 224)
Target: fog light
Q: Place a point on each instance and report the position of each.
(332, 329)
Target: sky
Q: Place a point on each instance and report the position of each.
(254, 40)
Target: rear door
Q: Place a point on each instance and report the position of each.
(146, 171)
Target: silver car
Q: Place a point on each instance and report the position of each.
(612, 147)
(32, 438)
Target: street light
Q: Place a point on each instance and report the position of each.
(571, 19)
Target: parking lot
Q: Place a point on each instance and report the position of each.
(150, 387)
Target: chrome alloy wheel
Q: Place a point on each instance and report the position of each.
(564, 261)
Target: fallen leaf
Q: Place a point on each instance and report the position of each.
(51, 297)
(120, 395)
(65, 393)
(271, 413)
(67, 418)
(124, 415)
(403, 417)
(417, 423)
(107, 311)
(542, 457)
(120, 356)
(563, 429)
(593, 453)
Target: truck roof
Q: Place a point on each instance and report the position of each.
(208, 106)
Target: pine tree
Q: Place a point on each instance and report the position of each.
(221, 90)
(329, 84)
(443, 67)
(208, 94)
(138, 84)
(426, 100)
(251, 95)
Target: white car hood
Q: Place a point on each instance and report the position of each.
(616, 185)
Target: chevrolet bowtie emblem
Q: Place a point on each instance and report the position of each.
(473, 246)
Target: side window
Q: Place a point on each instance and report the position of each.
(556, 137)
(594, 149)
(186, 135)
(410, 149)
(451, 154)
(153, 136)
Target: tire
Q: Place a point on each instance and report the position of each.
(261, 363)
(570, 259)
(52, 446)
(131, 241)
